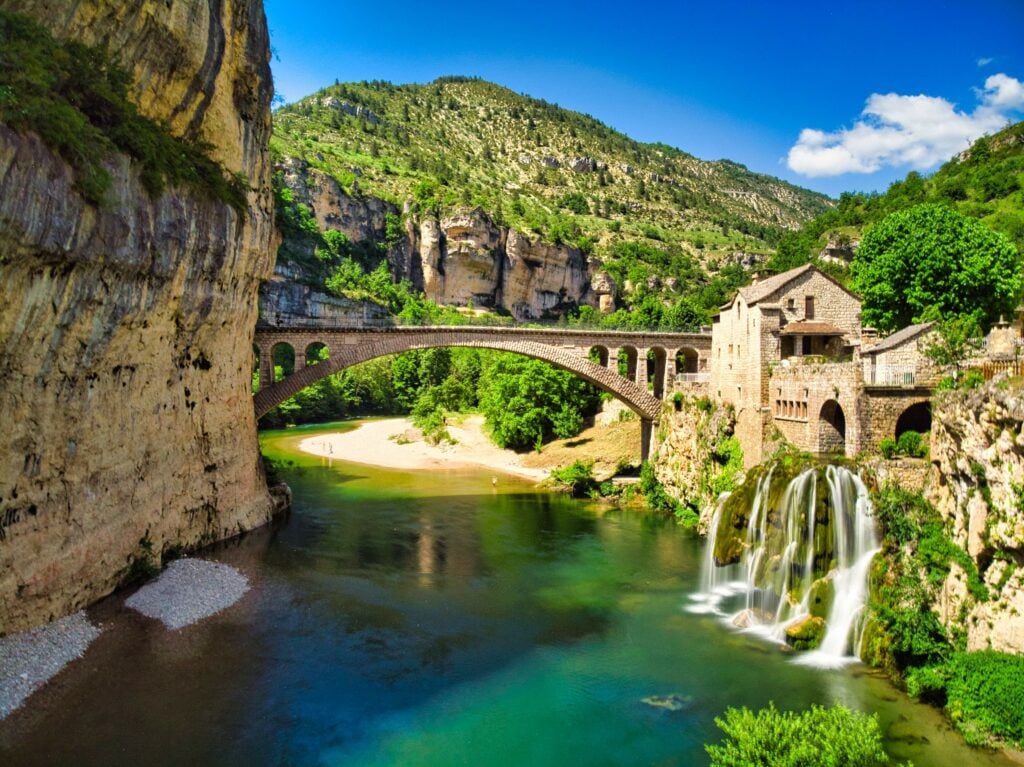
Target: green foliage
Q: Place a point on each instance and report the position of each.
(819, 736)
(911, 444)
(983, 694)
(578, 477)
(931, 258)
(955, 339)
(887, 447)
(658, 500)
(728, 454)
(526, 402)
(75, 97)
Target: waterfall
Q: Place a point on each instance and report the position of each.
(792, 563)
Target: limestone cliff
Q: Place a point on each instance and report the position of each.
(692, 461)
(460, 258)
(125, 330)
(977, 485)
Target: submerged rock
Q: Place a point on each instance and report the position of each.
(673, 702)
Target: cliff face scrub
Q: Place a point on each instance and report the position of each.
(125, 330)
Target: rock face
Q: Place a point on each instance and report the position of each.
(461, 258)
(125, 331)
(977, 485)
(685, 462)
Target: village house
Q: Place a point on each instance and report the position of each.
(788, 353)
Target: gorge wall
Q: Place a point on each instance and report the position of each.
(125, 330)
(977, 484)
(460, 258)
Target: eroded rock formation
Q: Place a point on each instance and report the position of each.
(977, 485)
(461, 258)
(125, 331)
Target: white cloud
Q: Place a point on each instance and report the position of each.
(894, 130)
(984, 61)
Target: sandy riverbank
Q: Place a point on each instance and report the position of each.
(395, 443)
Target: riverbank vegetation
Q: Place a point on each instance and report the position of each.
(819, 736)
(982, 692)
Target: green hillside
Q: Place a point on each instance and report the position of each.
(666, 222)
(986, 182)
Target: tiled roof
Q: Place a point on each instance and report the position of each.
(811, 328)
(899, 337)
(764, 288)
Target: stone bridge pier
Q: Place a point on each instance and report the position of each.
(638, 368)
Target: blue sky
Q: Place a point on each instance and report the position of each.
(779, 85)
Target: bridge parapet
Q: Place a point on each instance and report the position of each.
(568, 348)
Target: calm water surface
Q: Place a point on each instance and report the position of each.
(432, 619)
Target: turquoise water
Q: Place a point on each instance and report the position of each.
(434, 619)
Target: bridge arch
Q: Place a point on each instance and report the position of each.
(282, 355)
(317, 352)
(636, 398)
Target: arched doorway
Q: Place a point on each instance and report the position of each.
(831, 428)
(917, 418)
(687, 361)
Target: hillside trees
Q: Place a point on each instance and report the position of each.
(930, 258)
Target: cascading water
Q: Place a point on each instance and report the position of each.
(798, 554)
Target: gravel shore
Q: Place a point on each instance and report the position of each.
(29, 660)
(188, 591)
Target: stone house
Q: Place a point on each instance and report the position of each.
(788, 354)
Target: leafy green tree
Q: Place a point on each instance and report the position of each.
(818, 737)
(526, 401)
(931, 258)
(956, 338)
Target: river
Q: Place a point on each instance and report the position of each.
(435, 618)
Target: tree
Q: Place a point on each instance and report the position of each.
(930, 258)
(956, 339)
(527, 401)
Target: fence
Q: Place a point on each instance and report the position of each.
(693, 377)
(890, 375)
(990, 369)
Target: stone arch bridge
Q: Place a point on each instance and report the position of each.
(645, 382)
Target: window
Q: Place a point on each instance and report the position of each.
(791, 304)
(809, 308)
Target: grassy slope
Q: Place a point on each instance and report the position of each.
(460, 142)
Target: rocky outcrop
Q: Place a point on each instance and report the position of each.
(125, 331)
(688, 462)
(977, 485)
(286, 301)
(461, 258)
(604, 290)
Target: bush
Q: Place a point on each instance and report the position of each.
(985, 695)
(888, 447)
(824, 737)
(578, 477)
(910, 444)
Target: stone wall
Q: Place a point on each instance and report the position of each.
(799, 393)
(126, 331)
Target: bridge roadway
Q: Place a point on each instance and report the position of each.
(567, 348)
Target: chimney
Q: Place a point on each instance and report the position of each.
(868, 338)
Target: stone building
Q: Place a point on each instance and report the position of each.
(788, 353)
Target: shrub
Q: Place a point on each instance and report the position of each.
(985, 695)
(824, 737)
(888, 447)
(75, 97)
(578, 477)
(910, 444)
